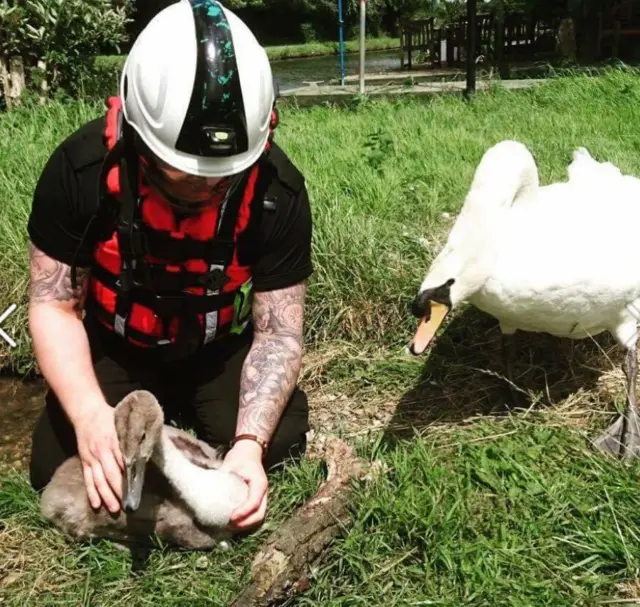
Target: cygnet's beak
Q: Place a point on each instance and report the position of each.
(133, 483)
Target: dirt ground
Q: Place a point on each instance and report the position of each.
(21, 404)
(579, 380)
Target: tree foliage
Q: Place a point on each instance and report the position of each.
(58, 39)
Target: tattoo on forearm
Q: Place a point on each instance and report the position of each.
(270, 371)
(51, 281)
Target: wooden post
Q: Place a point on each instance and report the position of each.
(341, 36)
(363, 9)
(503, 66)
(471, 47)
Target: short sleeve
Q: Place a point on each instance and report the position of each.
(286, 250)
(55, 224)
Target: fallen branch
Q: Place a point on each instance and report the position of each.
(282, 566)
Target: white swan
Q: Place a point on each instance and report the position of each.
(560, 259)
(172, 485)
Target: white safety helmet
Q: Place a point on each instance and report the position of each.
(198, 89)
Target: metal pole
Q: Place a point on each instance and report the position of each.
(341, 33)
(471, 47)
(362, 29)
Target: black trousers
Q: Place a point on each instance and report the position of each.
(201, 392)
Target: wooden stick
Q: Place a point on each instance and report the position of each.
(281, 567)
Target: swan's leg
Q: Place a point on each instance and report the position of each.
(508, 343)
(622, 438)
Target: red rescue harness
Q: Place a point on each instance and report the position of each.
(163, 281)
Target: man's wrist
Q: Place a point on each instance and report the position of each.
(80, 414)
(250, 444)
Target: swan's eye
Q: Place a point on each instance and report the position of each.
(144, 435)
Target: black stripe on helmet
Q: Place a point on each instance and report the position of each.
(215, 123)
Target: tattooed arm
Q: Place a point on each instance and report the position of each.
(268, 378)
(51, 282)
(272, 366)
(62, 350)
(59, 338)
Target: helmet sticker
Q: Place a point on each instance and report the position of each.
(215, 122)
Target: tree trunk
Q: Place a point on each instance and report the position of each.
(17, 82)
(44, 83)
(281, 568)
(5, 81)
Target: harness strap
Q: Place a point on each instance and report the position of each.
(129, 241)
(103, 221)
(100, 313)
(167, 305)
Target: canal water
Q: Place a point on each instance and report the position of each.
(292, 73)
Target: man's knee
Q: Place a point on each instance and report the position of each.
(290, 438)
(52, 442)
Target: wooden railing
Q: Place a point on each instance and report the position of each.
(622, 21)
(524, 36)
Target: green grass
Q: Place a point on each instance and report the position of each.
(39, 566)
(517, 512)
(380, 177)
(510, 514)
(477, 510)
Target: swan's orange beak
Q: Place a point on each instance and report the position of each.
(428, 327)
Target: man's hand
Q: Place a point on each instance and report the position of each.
(245, 459)
(102, 462)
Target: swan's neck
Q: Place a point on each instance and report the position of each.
(178, 470)
(507, 175)
(211, 494)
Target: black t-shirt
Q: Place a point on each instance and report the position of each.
(66, 198)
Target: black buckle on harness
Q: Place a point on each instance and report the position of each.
(133, 247)
(214, 280)
(167, 306)
(219, 251)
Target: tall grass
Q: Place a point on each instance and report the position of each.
(513, 513)
(380, 176)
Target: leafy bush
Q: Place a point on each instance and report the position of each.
(57, 39)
